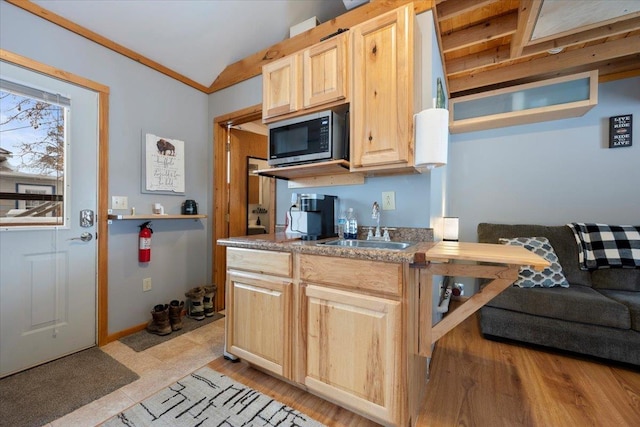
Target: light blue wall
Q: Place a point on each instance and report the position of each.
(549, 173)
(140, 100)
(411, 192)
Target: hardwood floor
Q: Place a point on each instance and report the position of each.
(476, 382)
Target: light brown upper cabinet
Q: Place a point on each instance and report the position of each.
(281, 92)
(314, 77)
(325, 74)
(382, 98)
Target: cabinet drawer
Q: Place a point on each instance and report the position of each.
(356, 274)
(259, 261)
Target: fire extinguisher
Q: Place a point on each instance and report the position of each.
(144, 242)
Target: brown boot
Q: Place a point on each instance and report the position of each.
(160, 325)
(196, 309)
(209, 298)
(175, 314)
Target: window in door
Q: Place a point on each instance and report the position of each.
(33, 148)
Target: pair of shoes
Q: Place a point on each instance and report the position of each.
(175, 314)
(209, 299)
(166, 318)
(201, 301)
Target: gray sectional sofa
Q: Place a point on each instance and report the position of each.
(597, 315)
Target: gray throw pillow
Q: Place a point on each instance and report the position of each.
(528, 277)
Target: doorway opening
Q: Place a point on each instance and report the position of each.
(239, 139)
(260, 211)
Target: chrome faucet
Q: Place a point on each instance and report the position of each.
(375, 214)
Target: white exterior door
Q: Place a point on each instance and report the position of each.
(48, 275)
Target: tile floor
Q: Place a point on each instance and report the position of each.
(158, 367)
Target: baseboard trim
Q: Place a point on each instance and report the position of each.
(117, 335)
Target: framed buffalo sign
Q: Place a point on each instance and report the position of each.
(163, 165)
(620, 128)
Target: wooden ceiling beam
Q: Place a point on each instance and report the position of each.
(251, 66)
(501, 55)
(548, 64)
(451, 8)
(618, 67)
(478, 60)
(492, 29)
(527, 17)
(625, 73)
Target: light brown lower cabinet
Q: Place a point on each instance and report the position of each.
(337, 327)
(352, 350)
(259, 319)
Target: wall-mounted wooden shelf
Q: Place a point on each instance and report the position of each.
(116, 217)
(332, 172)
(332, 167)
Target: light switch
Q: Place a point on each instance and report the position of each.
(119, 202)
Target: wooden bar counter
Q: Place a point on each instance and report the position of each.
(439, 261)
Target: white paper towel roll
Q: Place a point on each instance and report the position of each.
(432, 137)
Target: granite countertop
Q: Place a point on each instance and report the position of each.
(423, 239)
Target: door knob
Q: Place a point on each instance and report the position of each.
(85, 237)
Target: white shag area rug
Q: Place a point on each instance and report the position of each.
(209, 398)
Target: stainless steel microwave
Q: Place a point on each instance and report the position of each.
(313, 137)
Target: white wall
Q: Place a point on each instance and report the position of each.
(140, 100)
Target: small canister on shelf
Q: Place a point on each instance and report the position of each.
(189, 207)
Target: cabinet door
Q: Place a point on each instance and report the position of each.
(325, 72)
(281, 86)
(353, 350)
(258, 320)
(382, 95)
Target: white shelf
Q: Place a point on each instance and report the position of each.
(558, 98)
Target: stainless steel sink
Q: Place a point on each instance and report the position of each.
(369, 244)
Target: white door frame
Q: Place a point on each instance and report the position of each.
(103, 177)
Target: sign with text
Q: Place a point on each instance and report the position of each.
(164, 164)
(620, 131)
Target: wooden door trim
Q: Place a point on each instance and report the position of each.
(103, 178)
(220, 193)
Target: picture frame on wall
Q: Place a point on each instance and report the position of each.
(162, 165)
(620, 130)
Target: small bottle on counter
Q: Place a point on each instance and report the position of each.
(352, 225)
(342, 225)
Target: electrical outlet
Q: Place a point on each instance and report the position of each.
(388, 200)
(146, 284)
(119, 202)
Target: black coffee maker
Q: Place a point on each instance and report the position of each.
(320, 215)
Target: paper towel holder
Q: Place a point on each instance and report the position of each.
(431, 137)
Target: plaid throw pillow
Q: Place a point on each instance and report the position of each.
(607, 246)
(528, 277)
